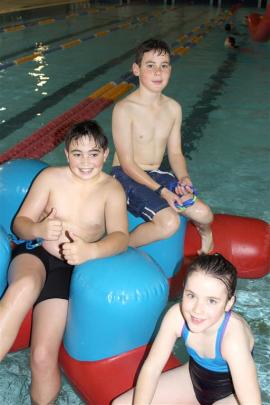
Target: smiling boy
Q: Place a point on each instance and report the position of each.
(144, 125)
(76, 213)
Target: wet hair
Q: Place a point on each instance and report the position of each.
(215, 266)
(152, 44)
(227, 27)
(232, 41)
(89, 128)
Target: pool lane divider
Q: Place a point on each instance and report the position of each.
(192, 38)
(51, 135)
(133, 22)
(52, 20)
(47, 138)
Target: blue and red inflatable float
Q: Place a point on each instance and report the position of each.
(116, 303)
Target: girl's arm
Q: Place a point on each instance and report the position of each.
(237, 353)
(170, 330)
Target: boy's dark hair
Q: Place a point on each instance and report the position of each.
(151, 44)
(87, 128)
(218, 267)
(232, 41)
(227, 27)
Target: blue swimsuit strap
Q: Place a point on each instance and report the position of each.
(220, 334)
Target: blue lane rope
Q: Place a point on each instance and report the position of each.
(133, 23)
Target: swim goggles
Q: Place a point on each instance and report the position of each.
(29, 244)
(188, 203)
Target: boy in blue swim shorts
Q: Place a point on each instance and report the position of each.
(145, 124)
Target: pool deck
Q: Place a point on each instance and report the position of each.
(8, 6)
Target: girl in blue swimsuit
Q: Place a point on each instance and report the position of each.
(221, 369)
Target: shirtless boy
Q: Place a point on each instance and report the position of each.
(144, 124)
(76, 213)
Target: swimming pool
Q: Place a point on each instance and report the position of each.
(225, 98)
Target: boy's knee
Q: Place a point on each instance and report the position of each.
(167, 223)
(202, 214)
(173, 224)
(43, 359)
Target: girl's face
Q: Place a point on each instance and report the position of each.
(205, 299)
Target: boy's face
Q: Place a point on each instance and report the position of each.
(85, 158)
(154, 71)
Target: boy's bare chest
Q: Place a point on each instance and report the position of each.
(152, 127)
(79, 206)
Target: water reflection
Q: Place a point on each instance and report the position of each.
(38, 72)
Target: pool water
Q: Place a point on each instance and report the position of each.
(225, 99)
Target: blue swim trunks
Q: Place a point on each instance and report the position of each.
(141, 200)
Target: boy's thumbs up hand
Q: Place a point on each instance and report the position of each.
(52, 214)
(50, 228)
(76, 251)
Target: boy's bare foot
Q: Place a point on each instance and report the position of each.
(207, 244)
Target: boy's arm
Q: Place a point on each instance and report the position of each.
(27, 224)
(122, 136)
(176, 158)
(169, 331)
(117, 236)
(242, 367)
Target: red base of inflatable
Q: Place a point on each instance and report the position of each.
(99, 382)
(243, 241)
